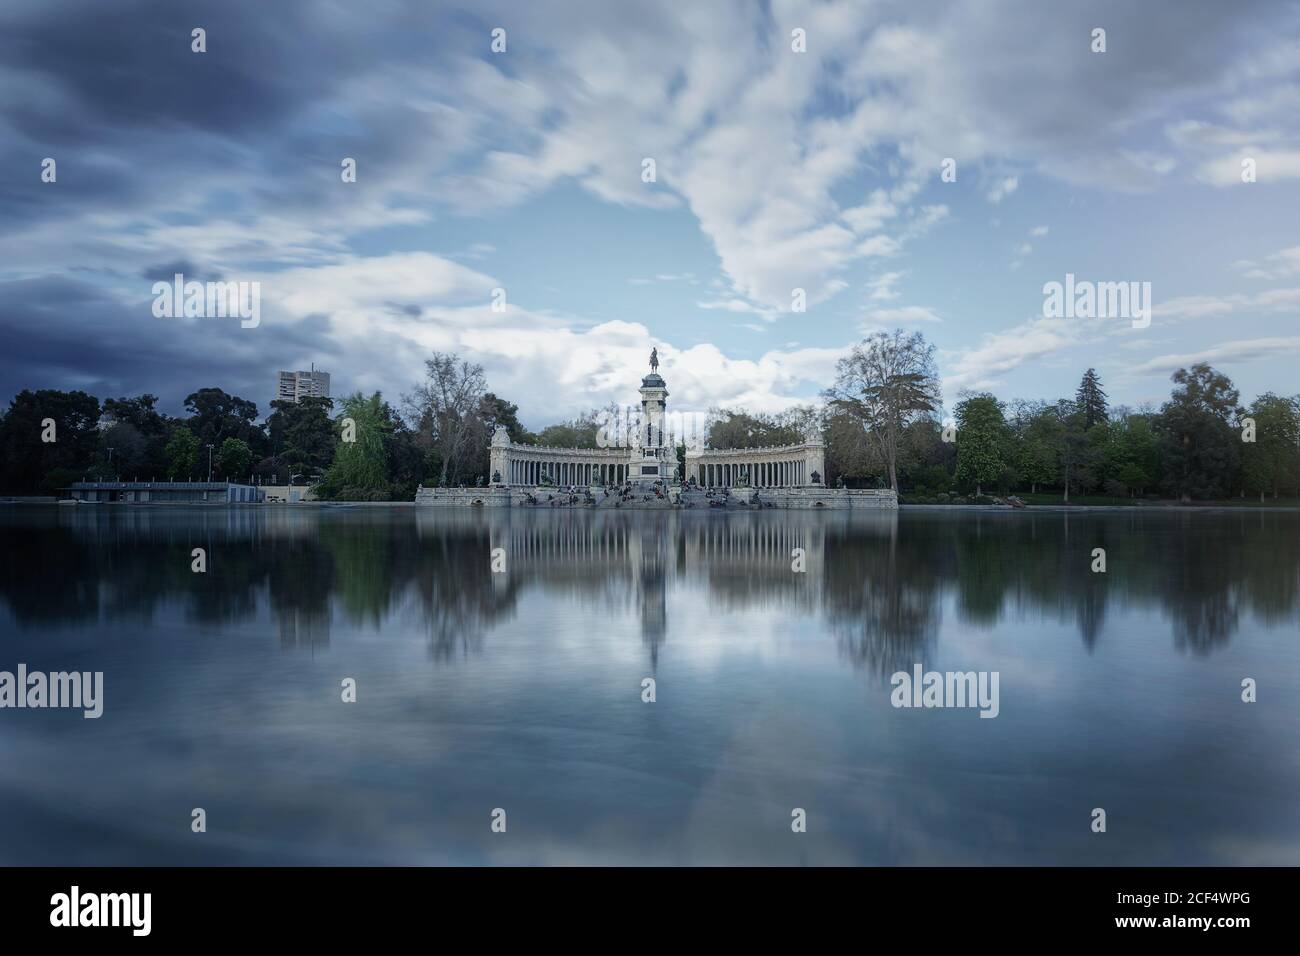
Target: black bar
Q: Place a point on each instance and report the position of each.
(979, 906)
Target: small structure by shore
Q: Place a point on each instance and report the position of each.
(222, 492)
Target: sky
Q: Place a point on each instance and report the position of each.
(775, 169)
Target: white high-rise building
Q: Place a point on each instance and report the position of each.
(295, 386)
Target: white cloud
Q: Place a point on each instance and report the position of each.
(1279, 265)
(879, 246)
(1239, 351)
(740, 306)
(1199, 306)
(1270, 166)
(1001, 189)
(871, 216)
(983, 365)
(883, 287)
(904, 315)
(404, 305)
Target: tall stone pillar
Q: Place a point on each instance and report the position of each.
(498, 454)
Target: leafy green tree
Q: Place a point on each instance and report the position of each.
(1200, 448)
(1133, 453)
(122, 451)
(1036, 436)
(733, 428)
(28, 464)
(497, 411)
(850, 452)
(360, 468)
(216, 416)
(1077, 453)
(1272, 460)
(303, 434)
(409, 458)
(182, 454)
(582, 432)
(981, 441)
(153, 427)
(234, 459)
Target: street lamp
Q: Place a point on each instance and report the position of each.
(209, 464)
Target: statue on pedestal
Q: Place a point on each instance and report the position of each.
(654, 360)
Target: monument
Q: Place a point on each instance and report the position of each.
(643, 456)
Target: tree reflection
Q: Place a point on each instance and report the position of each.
(879, 582)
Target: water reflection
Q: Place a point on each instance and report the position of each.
(881, 583)
(522, 688)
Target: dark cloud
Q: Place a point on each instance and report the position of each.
(63, 333)
(166, 272)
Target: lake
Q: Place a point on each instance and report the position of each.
(522, 690)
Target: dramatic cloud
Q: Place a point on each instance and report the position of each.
(810, 170)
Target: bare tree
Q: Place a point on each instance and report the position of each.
(446, 408)
(887, 381)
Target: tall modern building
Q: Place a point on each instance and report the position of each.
(295, 386)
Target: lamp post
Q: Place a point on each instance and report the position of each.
(209, 464)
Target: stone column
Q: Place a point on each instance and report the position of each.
(498, 453)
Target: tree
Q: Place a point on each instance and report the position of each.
(153, 427)
(1133, 455)
(582, 432)
(1036, 435)
(122, 451)
(1076, 454)
(1199, 446)
(182, 454)
(360, 467)
(497, 411)
(850, 452)
(234, 459)
(1091, 400)
(733, 428)
(981, 441)
(302, 434)
(887, 381)
(29, 464)
(216, 416)
(409, 458)
(446, 407)
(1272, 459)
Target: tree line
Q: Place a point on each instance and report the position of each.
(882, 420)
(884, 425)
(360, 447)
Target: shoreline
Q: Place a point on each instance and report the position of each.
(1207, 507)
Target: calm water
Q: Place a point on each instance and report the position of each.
(523, 690)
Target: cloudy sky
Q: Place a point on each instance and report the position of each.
(522, 170)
